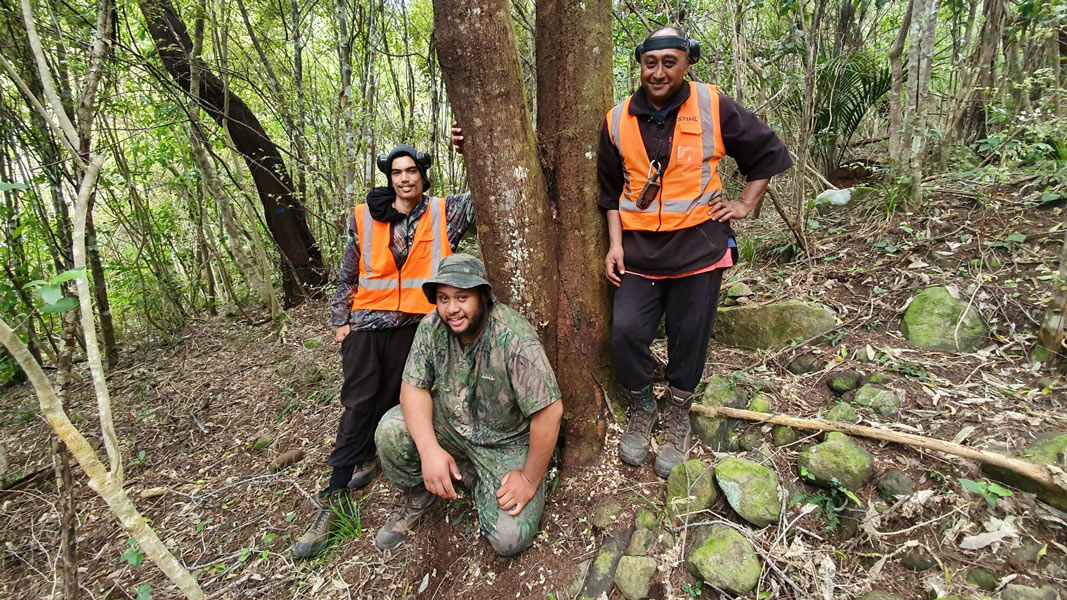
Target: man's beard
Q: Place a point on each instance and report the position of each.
(476, 322)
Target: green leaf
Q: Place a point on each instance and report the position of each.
(50, 293)
(268, 538)
(68, 275)
(998, 489)
(289, 518)
(133, 555)
(851, 496)
(1017, 238)
(144, 592)
(971, 486)
(62, 306)
(7, 187)
(35, 283)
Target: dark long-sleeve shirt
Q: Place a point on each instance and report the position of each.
(757, 150)
(459, 215)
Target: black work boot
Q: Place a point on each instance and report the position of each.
(364, 473)
(317, 536)
(676, 433)
(417, 501)
(633, 447)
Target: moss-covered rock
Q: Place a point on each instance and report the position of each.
(606, 515)
(804, 364)
(690, 488)
(718, 433)
(937, 321)
(1049, 449)
(633, 576)
(895, 484)
(882, 401)
(760, 403)
(983, 578)
(726, 560)
(771, 325)
(646, 519)
(845, 381)
(641, 542)
(782, 435)
(750, 441)
(838, 461)
(750, 489)
(1014, 591)
(842, 412)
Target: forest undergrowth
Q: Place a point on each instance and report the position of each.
(204, 414)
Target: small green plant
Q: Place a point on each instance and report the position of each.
(1008, 242)
(349, 518)
(989, 491)
(887, 246)
(140, 459)
(747, 250)
(694, 589)
(143, 592)
(133, 555)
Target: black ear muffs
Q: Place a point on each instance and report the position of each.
(423, 159)
(683, 42)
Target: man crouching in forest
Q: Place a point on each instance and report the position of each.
(396, 240)
(478, 392)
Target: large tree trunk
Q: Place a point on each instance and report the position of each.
(480, 66)
(303, 274)
(573, 93)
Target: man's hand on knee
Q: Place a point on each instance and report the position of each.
(438, 470)
(515, 492)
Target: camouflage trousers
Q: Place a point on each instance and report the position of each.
(401, 463)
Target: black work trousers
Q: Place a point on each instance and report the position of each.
(372, 363)
(689, 304)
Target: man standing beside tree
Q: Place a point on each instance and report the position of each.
(396, 240)
(669, 228)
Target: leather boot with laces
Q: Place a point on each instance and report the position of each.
(317, 536)
(676, 434)
(633, 447)
(417, 502)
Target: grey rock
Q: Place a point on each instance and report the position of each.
(917, 559)
(845, 381)
(842, 412)
(606, 515)
(726, 560)
(633, 576)
(1014, 591)
(690, 488)
(739, 290)
(894, 484)
(983, 578)
(782, 435)
(646, 519)
(937, 321)
(882, 401)
(804, 364)
(750, 441)
(718, 433)
(1030, 551)
(750, 489)
(602, 571)
(771, 325)
(641, 542)
(838, 459)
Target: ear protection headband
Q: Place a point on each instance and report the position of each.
(683, 42)
(423, 159)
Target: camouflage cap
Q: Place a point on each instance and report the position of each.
(457, 270)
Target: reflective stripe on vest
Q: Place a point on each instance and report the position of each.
(691, 181)
(381, 285)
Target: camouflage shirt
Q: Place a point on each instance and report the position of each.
(486, 391)
(459, 214)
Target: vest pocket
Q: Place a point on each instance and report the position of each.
(689, 155)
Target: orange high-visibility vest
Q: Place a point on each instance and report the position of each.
(381, 285)
(691, 180)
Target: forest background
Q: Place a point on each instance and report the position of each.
(169, 164)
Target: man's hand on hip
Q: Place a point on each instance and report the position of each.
(726, 210)
(614, 268)
(438, 470)
(515, 492)
(341, 332)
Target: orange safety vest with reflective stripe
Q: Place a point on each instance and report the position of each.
(381, 285)
(691, 180)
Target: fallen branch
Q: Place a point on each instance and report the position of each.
(1039, 474)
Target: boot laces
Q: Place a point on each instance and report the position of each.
(677, 428)
(641, 421)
